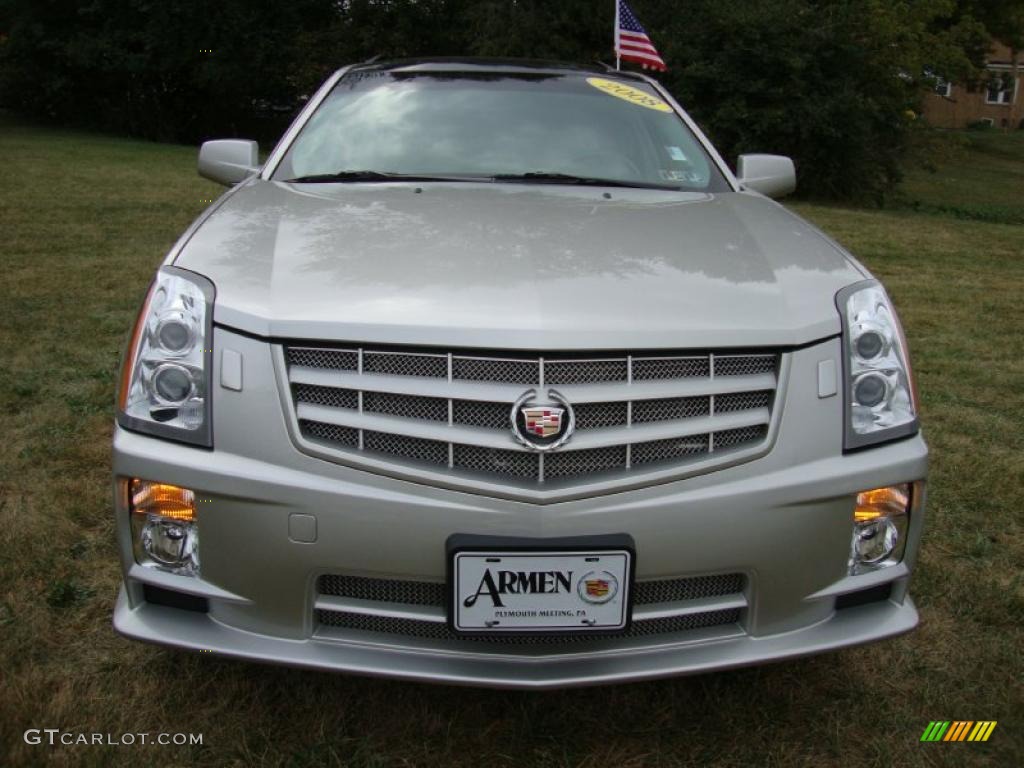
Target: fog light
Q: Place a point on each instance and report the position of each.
(880, 523)
(165, 533)
(876, 540)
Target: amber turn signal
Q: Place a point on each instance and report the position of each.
(881, 502)
(168, 501)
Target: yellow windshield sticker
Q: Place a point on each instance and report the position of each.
(630, 94)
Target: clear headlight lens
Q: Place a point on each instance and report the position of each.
(880, 399)
(165, 532)
(165, 379)
(880, 525)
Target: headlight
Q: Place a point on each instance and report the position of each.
(881, 403)
(165, 379)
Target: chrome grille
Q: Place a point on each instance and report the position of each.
(407, 592)
(452, 411)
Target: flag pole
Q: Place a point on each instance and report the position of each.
(618, 62)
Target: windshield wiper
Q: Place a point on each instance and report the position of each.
(583, 181)
(355, 176)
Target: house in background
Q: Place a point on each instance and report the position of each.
(954, 105)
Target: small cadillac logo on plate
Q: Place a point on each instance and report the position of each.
(545, 425)
(598, 587)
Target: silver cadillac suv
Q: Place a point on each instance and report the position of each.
(494, 373)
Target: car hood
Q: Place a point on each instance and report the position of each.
(516, 266)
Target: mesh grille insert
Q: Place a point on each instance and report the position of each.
(382, 590)
(312, 357)
(585, 462)
(667, 450)
(585, 371)
(481, 414)
(744, 365)
(344, 436)
(690, 588)
(428, 366)
(669, 409)
(742, 401)
(417, 449)
(477, 458)
(335, 398)
(595, 415)
(406, 406)
(732, 438)
(507, 371)
(648, 369)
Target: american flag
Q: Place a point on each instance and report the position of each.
(631, 40)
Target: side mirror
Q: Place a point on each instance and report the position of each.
(228, 161)
(771, 175)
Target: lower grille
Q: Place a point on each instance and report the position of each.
(405, 592)
(430, 630)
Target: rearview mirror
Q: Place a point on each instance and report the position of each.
(228, 161)
(771, 175)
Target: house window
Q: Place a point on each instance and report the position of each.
(943, 87)
(1001, 90)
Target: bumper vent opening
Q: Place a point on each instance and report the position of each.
(173, 599)
(864, 596)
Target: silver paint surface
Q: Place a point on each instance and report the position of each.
(517, 266)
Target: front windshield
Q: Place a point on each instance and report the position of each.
(500, 124)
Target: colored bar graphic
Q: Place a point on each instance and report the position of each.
(958, 730)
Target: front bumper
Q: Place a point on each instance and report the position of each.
(783, 521)
(198, 632)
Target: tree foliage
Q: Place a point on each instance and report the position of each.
(834, 83)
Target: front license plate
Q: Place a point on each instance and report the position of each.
(540, 591)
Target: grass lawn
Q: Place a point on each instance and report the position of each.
(85, 219)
